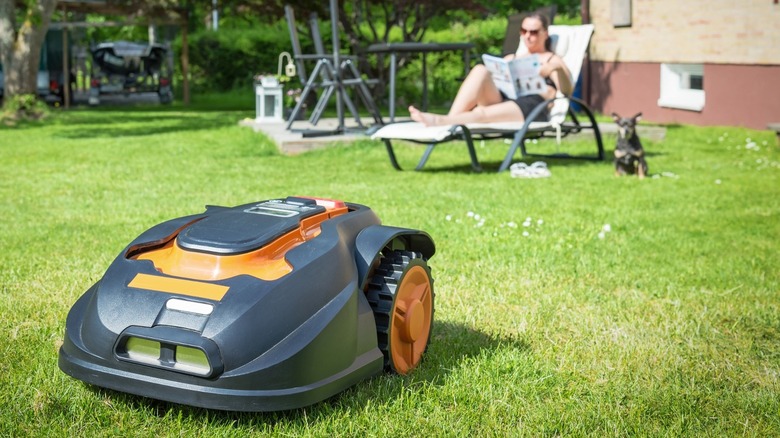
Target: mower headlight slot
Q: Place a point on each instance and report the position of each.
(143, 350)
(191, 360)
(169, 348)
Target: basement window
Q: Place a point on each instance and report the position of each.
(682, 86)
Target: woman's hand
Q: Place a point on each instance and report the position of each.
(548, 68)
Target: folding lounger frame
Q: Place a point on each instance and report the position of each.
(333, 73)
(527, 131)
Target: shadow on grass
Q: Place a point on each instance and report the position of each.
(450, 346)
(112, 124)
(489, 167)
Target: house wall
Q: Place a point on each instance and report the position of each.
(736, 95)
(738, 43)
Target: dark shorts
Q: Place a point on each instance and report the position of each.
(527, 104)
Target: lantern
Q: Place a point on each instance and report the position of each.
(268, 100)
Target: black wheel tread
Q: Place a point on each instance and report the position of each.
(381, 292)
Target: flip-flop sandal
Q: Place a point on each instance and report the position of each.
(536, 170)
(539, 170)
(518, 170)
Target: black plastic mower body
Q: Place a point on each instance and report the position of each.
(160, 325)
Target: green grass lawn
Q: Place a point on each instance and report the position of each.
(546, 324)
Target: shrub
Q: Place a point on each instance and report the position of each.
(230, 58)
(23, 107)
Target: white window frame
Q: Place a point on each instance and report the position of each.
(675, 87)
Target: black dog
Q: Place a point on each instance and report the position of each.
(629, 154)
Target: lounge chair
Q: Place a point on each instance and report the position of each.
(570, 43)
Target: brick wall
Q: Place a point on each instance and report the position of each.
(689, 31)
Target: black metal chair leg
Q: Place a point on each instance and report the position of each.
(518, 141)
(306, 90)
(391, 154)
(425, 156)
(472, 152)
(320, 106)
(594, 126)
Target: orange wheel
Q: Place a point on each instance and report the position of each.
(401, 294)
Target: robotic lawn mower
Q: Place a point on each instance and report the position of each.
(266, 306)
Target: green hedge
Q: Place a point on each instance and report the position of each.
(230, 58)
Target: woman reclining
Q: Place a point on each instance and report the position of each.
(479, 101)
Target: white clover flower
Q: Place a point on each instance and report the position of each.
(512, 225)
(477, 217)
(717, 181)
(601, 235)
(607, 228)
(470, 214)
(448, 217)
(526, 233)
(539, 222)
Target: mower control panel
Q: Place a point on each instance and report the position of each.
(247, 228)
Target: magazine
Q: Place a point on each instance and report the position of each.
(516, 77)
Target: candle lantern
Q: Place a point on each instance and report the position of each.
(268, 100)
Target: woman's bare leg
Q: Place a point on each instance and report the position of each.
(507, 111)
(477, 89)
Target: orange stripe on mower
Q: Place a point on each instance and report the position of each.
(177, 286)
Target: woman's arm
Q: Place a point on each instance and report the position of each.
(556, 70)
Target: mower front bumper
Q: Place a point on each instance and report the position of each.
(77, 364)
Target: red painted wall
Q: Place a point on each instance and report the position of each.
(735, 95)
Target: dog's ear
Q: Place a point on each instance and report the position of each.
(615, 117)
(637, 117)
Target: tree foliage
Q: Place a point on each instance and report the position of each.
(364, 22)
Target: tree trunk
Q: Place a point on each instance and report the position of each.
(20, 47)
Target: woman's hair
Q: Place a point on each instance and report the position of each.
(545, 23)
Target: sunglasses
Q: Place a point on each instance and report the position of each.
(533, 32)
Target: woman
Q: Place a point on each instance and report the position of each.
(478, 100)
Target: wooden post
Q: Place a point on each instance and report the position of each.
(65, 61)
(185, 61)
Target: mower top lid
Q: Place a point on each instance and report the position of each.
(248, 227)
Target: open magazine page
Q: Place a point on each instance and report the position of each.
(517, 77)
(502, 77)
